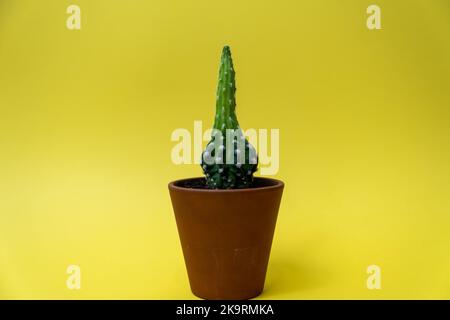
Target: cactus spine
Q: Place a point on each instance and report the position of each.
(228, 161)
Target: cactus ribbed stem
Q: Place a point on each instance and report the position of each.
(229, 161)
(226, 94)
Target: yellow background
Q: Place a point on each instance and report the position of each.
(86, 118)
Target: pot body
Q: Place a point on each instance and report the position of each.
(226, 236)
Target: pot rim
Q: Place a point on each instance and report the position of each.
(276, 184)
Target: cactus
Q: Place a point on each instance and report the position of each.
(229, 160)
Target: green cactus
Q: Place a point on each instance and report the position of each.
(229, 160)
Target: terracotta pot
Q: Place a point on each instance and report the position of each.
(226, 236)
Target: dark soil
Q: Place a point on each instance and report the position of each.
(194, 184)
(200, 183)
